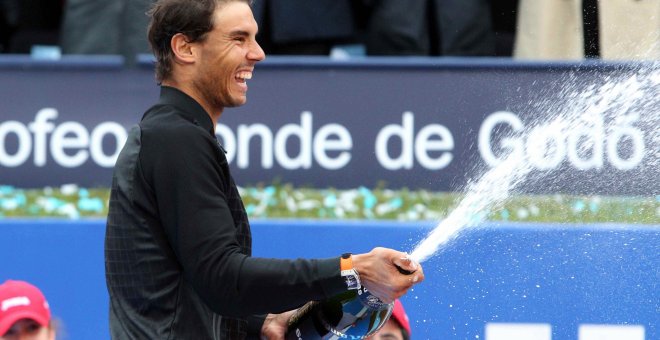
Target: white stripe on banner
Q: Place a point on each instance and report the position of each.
(611, 332)
(541, 331)
(518, 331)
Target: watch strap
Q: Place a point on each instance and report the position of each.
(348, 272)
(346, 262)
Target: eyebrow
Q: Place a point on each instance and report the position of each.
(239, 33)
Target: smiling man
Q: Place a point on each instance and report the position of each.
(178, 241)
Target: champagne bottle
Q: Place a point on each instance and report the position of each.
(354, 314)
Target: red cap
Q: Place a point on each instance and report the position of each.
(399, 314)
(21, 300)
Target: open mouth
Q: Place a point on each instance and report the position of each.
(243, 76)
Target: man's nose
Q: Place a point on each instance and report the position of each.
(256, 52)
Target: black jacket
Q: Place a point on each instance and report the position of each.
(178, 241)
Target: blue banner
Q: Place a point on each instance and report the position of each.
(415, 123)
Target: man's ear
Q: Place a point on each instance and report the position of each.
(182, 49)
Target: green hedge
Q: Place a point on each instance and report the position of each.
(286, 201)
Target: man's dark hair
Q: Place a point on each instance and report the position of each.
(192, 18)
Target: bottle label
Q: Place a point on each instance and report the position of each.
(370, 300)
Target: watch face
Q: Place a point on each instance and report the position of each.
(352, 281)
(351, 278)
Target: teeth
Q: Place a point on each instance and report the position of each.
(244, 75)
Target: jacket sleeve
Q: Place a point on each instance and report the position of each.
(255, 322)
(188, 183)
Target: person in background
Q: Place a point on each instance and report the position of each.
(106, 27)
(24, 312)
(393, 27)
(462, 28)
(427, 27)
(397, 327)
(578, 29)
(26, 23)
(303, 27)
(9, 19)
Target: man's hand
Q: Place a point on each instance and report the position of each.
(275, 326)
(379, 273)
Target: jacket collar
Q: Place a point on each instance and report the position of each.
(188, 106)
